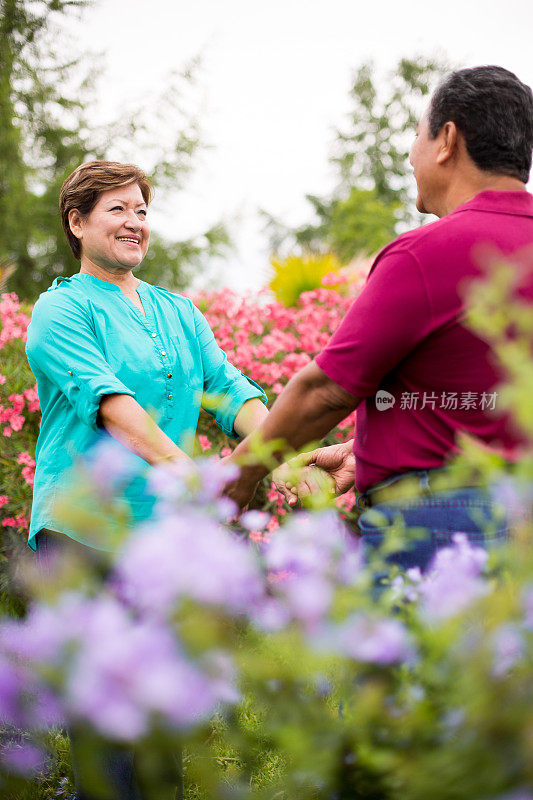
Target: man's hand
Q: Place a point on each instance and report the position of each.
(338, 460)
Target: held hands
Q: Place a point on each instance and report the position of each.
(326, 469)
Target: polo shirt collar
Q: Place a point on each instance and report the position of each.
(515, 202)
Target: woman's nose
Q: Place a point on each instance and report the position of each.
(132, 220)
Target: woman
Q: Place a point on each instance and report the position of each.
(106, 349)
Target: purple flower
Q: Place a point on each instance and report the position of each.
(271, 614)
(517, 794)
(508, 647)
(117, 672)
(351, 561)
(516, 498)
(254, 520)
(25, 701)
(111, 464)
(528, 608)
(197, 483)
(189, 555)
(122, 682)
(454, 579)
(377, 641)
(24, 758)
(308, 597)
(11, 683)
(313, 552)
(308, 543)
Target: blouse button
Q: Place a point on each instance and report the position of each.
(169, 375)
(163, 352)
(170, 397)
(153, 335)
(69, 372)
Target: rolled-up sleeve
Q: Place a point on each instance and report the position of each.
(225, 387)
(62, 345)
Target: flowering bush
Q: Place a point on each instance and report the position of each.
(275, 659)
(194, 621)
(263, 338)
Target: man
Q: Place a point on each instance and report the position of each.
(402, 355)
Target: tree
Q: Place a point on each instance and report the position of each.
(374, 193)
(359, 223)
(372, 151)
(45, 132)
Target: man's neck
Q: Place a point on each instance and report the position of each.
(465, 189)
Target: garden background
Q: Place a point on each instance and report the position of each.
(311, 258)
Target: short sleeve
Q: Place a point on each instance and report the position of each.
(62, 346)
(225, 387)
(385, 323)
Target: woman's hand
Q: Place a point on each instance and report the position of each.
(296, 481)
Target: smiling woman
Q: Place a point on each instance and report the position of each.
(106, 348)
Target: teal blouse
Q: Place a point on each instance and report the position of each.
(86, 339)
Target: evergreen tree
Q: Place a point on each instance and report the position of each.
(375, 191)
(45, 132)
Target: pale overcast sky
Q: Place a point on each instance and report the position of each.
(274, 83)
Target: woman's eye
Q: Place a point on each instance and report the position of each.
(142, 213)
(116, 208)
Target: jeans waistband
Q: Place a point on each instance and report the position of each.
(423, 482)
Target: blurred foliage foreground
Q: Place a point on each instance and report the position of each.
(271, 661)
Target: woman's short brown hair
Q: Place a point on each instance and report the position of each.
(84, 186)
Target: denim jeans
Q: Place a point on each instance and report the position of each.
(438, 516)
(117, 762)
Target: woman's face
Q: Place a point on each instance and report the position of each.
(115, 234)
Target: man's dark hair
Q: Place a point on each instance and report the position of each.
(494, 112)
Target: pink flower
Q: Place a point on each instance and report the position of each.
(3, 499)
(205, 443)
(7, 432)
(16, 422)
(32, 399)
(226, 451)
(273, 494)
(25, 458)
(18, 402)
(2, 379)
(28, 473)
(273, 524)
(280, 575)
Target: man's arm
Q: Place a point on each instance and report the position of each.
(308, 408)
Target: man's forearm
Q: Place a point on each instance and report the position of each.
(308, 408)
(123, 417)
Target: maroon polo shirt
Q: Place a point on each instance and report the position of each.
(402, 347)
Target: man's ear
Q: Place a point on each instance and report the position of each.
(74, 221)
(448, 142)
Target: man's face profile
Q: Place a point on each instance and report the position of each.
(421, 158)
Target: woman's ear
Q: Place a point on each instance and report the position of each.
(75, 223)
